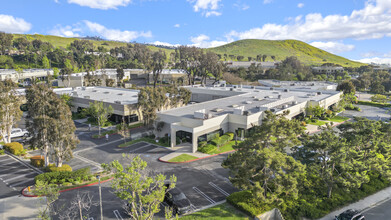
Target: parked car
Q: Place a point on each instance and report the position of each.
(178, 201)
(18, 132)
(350, 214)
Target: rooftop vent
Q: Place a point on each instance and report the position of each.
(200, 114)
(106, 92)
(218, 110)
(319, 93)
(294, 103)
(95, 90)
(234, 105)
(271, 88)
(279, 96)
(248, 102)
(86, 97)
(120, 94)
(239, 110)
(246, 113)
(268, 97)
(117, 102)
(273, 110)
(286, 90)
(259, 99)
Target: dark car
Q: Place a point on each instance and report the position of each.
(350, 214)
(178, 201)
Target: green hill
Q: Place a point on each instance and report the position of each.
(281, 49)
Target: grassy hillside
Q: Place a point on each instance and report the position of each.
(281, 49)
(64, 42)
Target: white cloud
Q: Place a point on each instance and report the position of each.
(241, 6)
(165, 44)
(206, 7)
(177, 25)
(333, 47)
(101, 4)
(11, 24)
(267, 1)
(371, 22)
(115, 34)
(65, 31)
(91, 28)
(377, 60)
(300, 5)
(202, 41)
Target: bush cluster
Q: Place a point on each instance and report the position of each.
(61, 177)
(63, 168)
(207, 149)
(243, 201)
(37, 161)
(15, 148)
(1, 152)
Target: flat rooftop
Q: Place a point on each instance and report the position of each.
(104, 94)
(252, 99)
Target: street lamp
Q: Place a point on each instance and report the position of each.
(100, 199)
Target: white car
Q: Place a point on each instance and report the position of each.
(18, 132)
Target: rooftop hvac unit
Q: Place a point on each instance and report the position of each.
(271, 88)
(248, 102)
(86, 97)
(285, 106)
(246, 113)
(294, 103)
(286, 90)
(83, 88)
(231, 89)
(268, 97)
(207, 116)
(253, 87)
(309, 94)
(319, 93)
(200, 114)
(234, 105)
(94, 90)
(218, 110)
(120, 94)
(273, 110)
(106, 92)
(279, 96)
(238, 110)
(235, 87)
(117, 102)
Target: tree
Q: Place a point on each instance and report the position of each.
(377, 88)
(100, 112)
(50, 124)
(347, 87)
(21, 44)
(120, 74)
(123, 130)
(45, 62)
(315, 111)
(158, 64)
(264, 57)
(78, 207)
(329, 158)
(10, 112)
(273, 58)
(139, 187)
(66, 72)
(5, 42)
(270, 175)
(51, 193)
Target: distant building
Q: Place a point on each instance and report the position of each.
(216, 110)
(26, 75)
(327, 69)
(247, 64)
(301, 85)
(168, 75)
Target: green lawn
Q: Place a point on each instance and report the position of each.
(318, 123)
(338, 119)
(224, 148)
(223, 211)
(182, 158)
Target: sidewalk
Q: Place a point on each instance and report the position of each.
(19, 207)
(363, 204)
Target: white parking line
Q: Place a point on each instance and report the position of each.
(89, 161)
(5, 159)
(8, 163)
(36, 170)
(219, 189)
(16, 177)
(116, 213)
(203, 195)
(21, 183)
(19, 171)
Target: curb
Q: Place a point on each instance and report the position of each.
(24, 162)
(65, 190)
(200, 158)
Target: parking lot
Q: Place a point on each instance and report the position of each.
(14, 176)
(204, 182)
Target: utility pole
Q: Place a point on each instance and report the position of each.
(100, 199)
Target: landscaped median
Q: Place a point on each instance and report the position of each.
(144, 139)
(222, 211)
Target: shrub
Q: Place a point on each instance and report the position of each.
(60, 177)
(67, 184)
(202, 144)
(15, 148)
(242, 200)
(225, 139)
(37, 161)
(207, 149)
(231, 135)
(1, 152)
(53, 168)
(303, 123)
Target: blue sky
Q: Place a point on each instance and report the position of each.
(356, 29)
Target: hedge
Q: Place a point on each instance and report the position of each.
(243, 201)
(15, 148)
(231, 135)
(1, 152)
(53, 168)
(37, 161)
(61, 177)
(207, 149)
(374, 104)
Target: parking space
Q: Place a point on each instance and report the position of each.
(14, 176)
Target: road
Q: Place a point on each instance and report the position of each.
(379, 212)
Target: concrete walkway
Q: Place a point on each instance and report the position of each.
(364, 204)
(19, 207)
(182, 149)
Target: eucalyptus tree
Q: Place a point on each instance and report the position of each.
(5, 42)
(188, 60)
(158, 64)
(10, 112)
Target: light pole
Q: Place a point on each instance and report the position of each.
(100, 199)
